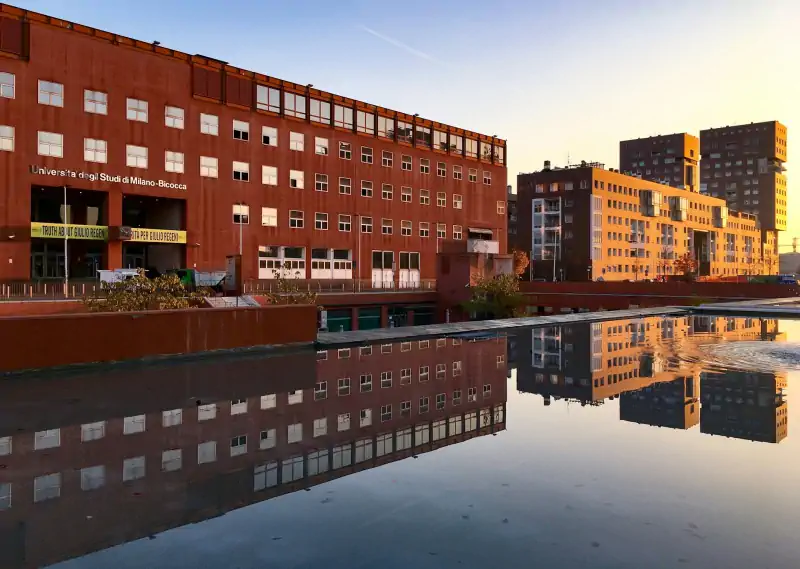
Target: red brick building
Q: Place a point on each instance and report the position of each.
(177, 160)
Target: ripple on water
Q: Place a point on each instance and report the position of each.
(750, 356)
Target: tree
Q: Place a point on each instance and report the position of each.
(521, 262)
(769, 262)
(287, 291)
(165, 292)
(686, 265)
(496, 297)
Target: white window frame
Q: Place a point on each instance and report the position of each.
(209, 124)
(207, 168)
(241, 210)
(7, 136)
(174, 162)
(93, 150)
(321, 146)
(174, 117)
(297, 141)
(297, 179)
(269, 175)
(95, 102)
(136, 156)
(269, 136)
(269, 218)
(240, 171)
(51, 93)
(52, 143)
(458, 201)
(8, 85)
(136, 109)
(241, 130)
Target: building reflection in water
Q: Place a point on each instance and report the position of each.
(653, 367)
(92, 461)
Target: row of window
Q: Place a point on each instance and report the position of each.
(138, 110)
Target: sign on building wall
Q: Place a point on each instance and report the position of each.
(61, 231)
(157, 235)
(103, 177)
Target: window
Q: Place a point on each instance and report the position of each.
(50, 438)
(296, 141)
(345, 186)
(487, 178)
(5, 495)
(472, 394)
(405, 376)
(91, 431)
(405, 194)
(472, 174)
(424, 229)
(424, 166)
(457, 201)
(441, 401)
(297, 179)
(343, 387)
(344, 222)
(292, 469)
(269, 175)
(136, 156)
(343, 117)
(269, 401)
(295, 219)
(7, 138)
(406, 228)
(209, 167)
(321, 221)
(294, 105)
(456, 232)
(133, 424)
(385, 127)
(487, 390)
(457, 397)
(424, 404)
(320, 427)
(471, 148)
(46, 487)
(267, 439)
(365, 382)
(241, 130)
(238, 406)
(136, 110)
(387, 159)
(241, 171)
(365, 122)
(53, 94)
(320, 111)
(173, 117)
(294, 433)
(268, 99)
(406, 163)
(441, 199)
(7, 85)
(365, 419)
(501, 207)
(241, 214)
(269, 136)
(95, 102)
(207, 452)
(386, 226)
(424, 373)
(207, 412)
(171, 460)
(51, 144)
(93, 150)
(343, 422)
(386, 379)
(173, 161)
(457, 174)
(345, 150)
(238, 445)
(441, 371)
(456, 369)
(386, 413)
(441, 169)
(387, 191)
(133, 468)
(171, 418)
(209, 124)
(424, 197)
(366, 224)
(404, 131)
(321, 182)
(93, 477)
(366, 189)
(321, 146)
(441, 230)
(366, 155)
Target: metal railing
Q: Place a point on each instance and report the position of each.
(342, 286)
(47, 289)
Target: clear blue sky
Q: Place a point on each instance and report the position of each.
(573, 76)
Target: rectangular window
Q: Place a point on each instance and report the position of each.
(269, 217)
(238, 406)
(457, 201)
(320, 390)
(457, 232)
(51, 144)
(5, 495)
(441, 199)
(345, 186)
(441, 371)
(440, 140)
(295, 219)
(343, 117)
(424, 197)
(241, 130)
(385, 127)
(267, 439)
(365, 122)
(320, 111)
(136, 156)
(133, 424)
(93, 150)
(171, 418)
(209, 124)
(269, 136)
(321, 146)
(441, 169)
(269, 175)
(294, 433)
(294, 105)
(406, 163)
(344, 222)
(424, 229)
(296, 141)
(345, 150)
(173, 117)
(50, 438)
(297, 179)
(501, 207)
(321, 221)
(365, 419)
(366, 155)
(366, 189)
(343, 387)
(207, 412)
(46, 487)
(386, 226)
(321, 182)
(457, 397)
(7, 85)
(209, 167)
(424, 166)
(269, 401)
(343, 422)
(471, 148)
(487, 178)
(365, 383)
(387, 191)
(441, 230)
(456, 369)
(241, 171)
(321, 427)
(472, 174)
(424, 404)
(441, 401)
(173, 161)
(366, 224)
(422, 135)
(424, 373)
(171, 460)
(91, 431)
(405, 131)
(457, 174)
(387, 159)
(238, 445)
(95, 102)
(406, 228)
(268, 99)
(136, 110)
(53, 94)
(207, 452)
(386, 413)
(6, 138)
(241, 214)
(405, 194)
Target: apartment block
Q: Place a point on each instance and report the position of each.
(671, 160)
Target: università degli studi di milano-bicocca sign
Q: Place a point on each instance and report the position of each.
(103, 177)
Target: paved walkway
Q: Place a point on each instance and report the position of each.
(774, 307)
(343, 339)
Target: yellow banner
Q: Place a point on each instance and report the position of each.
(60, 231)
(142, 234)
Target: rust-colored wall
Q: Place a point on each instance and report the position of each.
(46, 341)
(41, 307)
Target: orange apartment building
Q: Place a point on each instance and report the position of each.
(671, 160)
(187, 447)
(589, 223)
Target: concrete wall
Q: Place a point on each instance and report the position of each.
(56, 340)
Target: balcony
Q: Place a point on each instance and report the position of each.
(483, 246)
